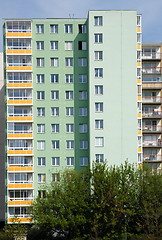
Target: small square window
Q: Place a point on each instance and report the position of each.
(98, 72)
(99, 158)
(82, 62)
(98, 124)
(69, 95)
(99, 141)
(82, 45)
(55, 111)
(69, 45)
(82, 28)
(70, 161)
(40, 78)
(98, 20)
(40, 45)
(54, 62)
(55, 128)
(40, 128)
(40, 95)
(83, 95)
(82, 78)
(54, 95)
(99, 89)
(41, 178)
(83, 144)
(83, 128)
(54, 45)
(55, 144)
(83, 161)
(98, 38)
(55, 161)
(82, 111)
(99, 107)
(69, 111)
(54, 28)
(40, 145)
(55, 177)
(68, 28)
(54, 78)
(40, 62)
(68, 62)
(69, 128)
(39, 28)
(98, 55)
(69, 78)
(41, 161)
(41, 112)
(69, 144)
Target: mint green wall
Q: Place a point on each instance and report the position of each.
(119, 81)
(61, 37)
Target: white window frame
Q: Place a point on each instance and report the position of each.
(69, 128)
(83, 128)
(69, 144)
(82, 62)
(54, 45)
(54, 62)
(69, 111)
(98, 20)
(53, 28)
(55, 144)
(99, 158)
(68, 28)
(70, 161)
(99, 124)
(83, 144)
(40, 128)
(54, 78)
(41, 161)
(41, 177)
(68, 45)
(41, 145)
(40, 95)
(83, 161)
(55, 95)
(82, 78)
(82, 28)
(55, 161)
(98, 38)
(68, 61)
(40, 111)
(99, 107)
(99, 141)
(69, 78)
(83, 111)
(83, 95)
(55, 111)
(40, 62)
(69, 95)
(40, 78)
(98, 89)
(40, 45)
(98, 72)
(39, 28)
(55, 128)
(98, 55)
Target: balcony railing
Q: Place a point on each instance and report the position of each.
(20, 181)
(152, 157)
(18, 47)
(20, 115)
(20, 165)
(20, 131)
(151, 70)
(151, 128)
(21, 199)
(150, 99)
(152, 114)
(20, 148)
(152, 143)
(19, 81)
(148, 55)
(20, 98)
(19, 64)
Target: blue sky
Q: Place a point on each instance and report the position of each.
(151, 11)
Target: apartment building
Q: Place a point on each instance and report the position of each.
(152, 104)
(73, 96)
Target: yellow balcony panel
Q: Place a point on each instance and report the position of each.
(17, 168)
(139, 81)
(22, 152)
(19, 68)
(138, 29)
(27, 101)
(18, 51)
(23, 220)
(18, 34)
(139, 132)
(20, 118)
(19, 85)
(20, 185)
(139, 115)
(139, 149)
(139, 98)
(11, 203)
(138, 64)
(138, 47)
(20, 135)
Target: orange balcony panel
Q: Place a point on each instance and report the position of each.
(138, 64)
(139, 132)
(19, 85)
(17, 168)
(19, 118)
(20, 135)
(139, 81)
(18, 34)
(18, 51)
(19, 68)
(138, 29)
(20, 185)
(20, 101)
(24, 220)
(138, 47)
(139, 149)
(10, 203)
(139, 98)
(139, 115)
(20, 152)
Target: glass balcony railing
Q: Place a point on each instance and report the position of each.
(19, 81)
(152, 143)
(20, 98)
(151, 128)
(20, 148)
(19, 64)
(151, 70)
(21, 199)
(151, 99)
(152, 157)
(151, 55)
(20, 131)
(150, 114)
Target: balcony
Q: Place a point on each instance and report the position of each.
(20, 100)
(20, 134)
(152, 158)
(15, 168)
(151, 55)
(151, 70)
(19, 84)
(19, 67)
(152, 143)
(21, 202)
(18, 29)
(151, 128)
(20, 150)
(13, 186)
(20, 117)
(152, 114)
(150, 99)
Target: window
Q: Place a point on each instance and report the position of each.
(70, 161)
(99, 158)
(83, 161)
(83, 95)
(40, 62)
(69, 95)
(98, 89)
(54, 78)
(82, 111)
(40, 128)
(98, 55)
(69, 45)
(54, 95)
(54, 111)
(99, 124)
(82, 78)
(40, 45)
(55, 144)
(40, 145)
(41, 161)
(82, 28)
(83, 144)
(83, 128)
(69, 128)
(55, 177)
(82, 62)
(40, 95)
(82, 45)
(98, 38)
(99, 107)
(40, 112)
(98, 72)
(68, 28)
(41, 178)
(54, 62)
(55, 161)
(39, 28)
(99, 141)
(54, 28)
(69, 111)
(138, 20)
(40, 78)
(70, 144)
(69, 78)
(42, 193)
(68, 62)
(54, 45)
(139, 37)
(55, 128)
(98, 20)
